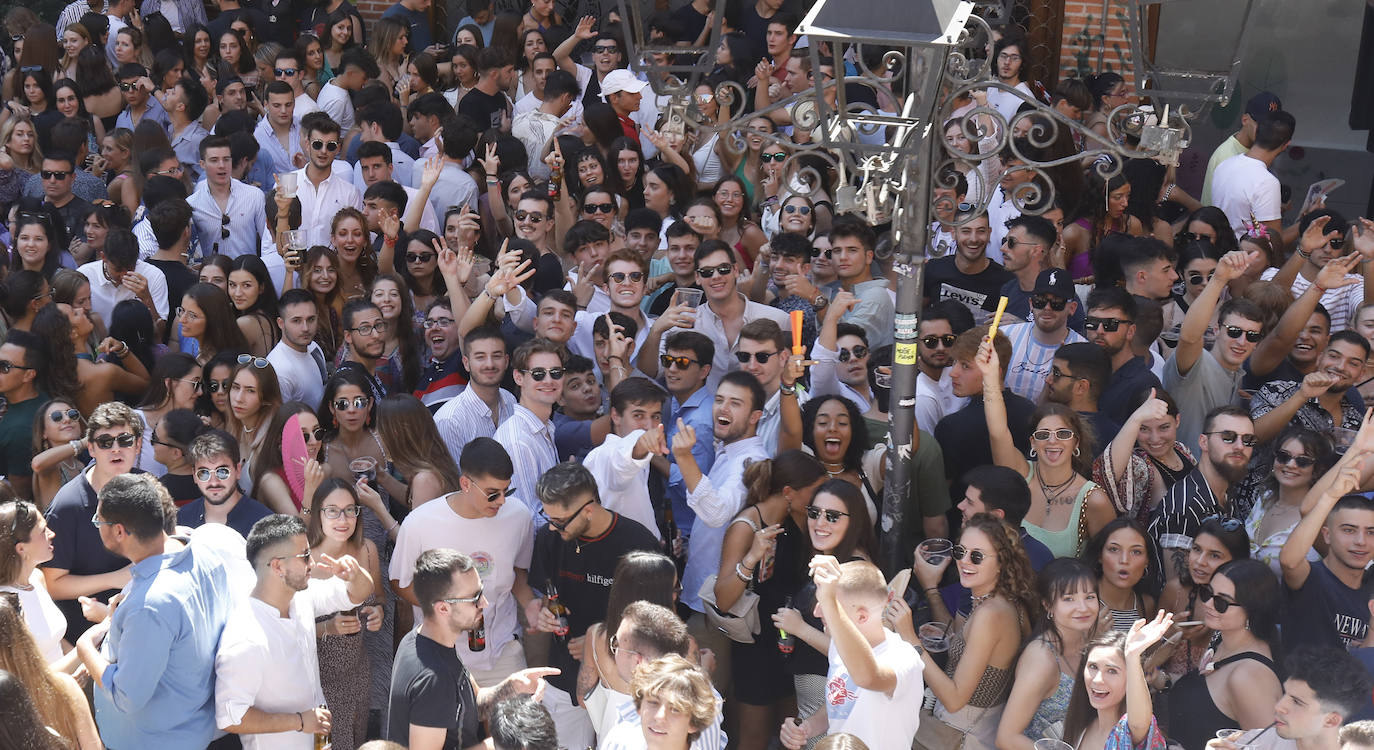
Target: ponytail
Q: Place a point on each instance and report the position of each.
(795, 469)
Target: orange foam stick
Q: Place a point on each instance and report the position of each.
(797, 346)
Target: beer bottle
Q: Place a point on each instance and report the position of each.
(477, 636)
(672, 539)
(559, 610)
(786, 641)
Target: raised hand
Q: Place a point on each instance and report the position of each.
(491, 163)
(433, 167)
(1316, 235)
(988, 363)
(1336, 273)
(1152, 410)
(1363, 238)
(1316, 383)
(1234, 264)
(794, 370)
(825, 571)
(684, 439)
(391, 225)
(585, 28)
(1145, 634)
(843, 302)
(653, 442)
(346, 567)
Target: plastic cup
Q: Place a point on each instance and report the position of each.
(1050, 743)
(1343, 439)
(1233, 736)
(934, 551)
(934, 636)
(882, 376)
(288, 184)
(688, 297)
(364, 467)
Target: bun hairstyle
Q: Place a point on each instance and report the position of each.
(795, 469)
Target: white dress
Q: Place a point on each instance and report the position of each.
(46, 622)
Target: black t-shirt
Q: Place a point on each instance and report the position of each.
(430, 687)
(583, 571)
(963, 436)
(1326, 612)
(281, 15)
(181, 486)
(484, 108)
(179, 279)
(255, 19)
(1126, 389)
(691, 22)
(1285, 370)
(978, 292)
(74, 216)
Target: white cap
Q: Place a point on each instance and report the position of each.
(621, 80)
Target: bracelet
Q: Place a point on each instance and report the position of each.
(394, 525)
(389, 241)
(301, 716)
(75, 445)
(788, 390)
(1304, 255)
(488, 295)
(1168, 191)
(740, 574)
(492, 180)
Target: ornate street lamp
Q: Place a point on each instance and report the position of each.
(1188, 76)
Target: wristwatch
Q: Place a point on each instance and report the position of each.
(820, 301)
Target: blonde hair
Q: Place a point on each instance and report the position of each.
(35, 160)
(681, 685)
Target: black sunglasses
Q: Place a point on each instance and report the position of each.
(603, 208)
(562, 523)
(759, 357)
(56, 415)
(1196, 278)
(1230, 436)
(319, 145)
(1227, 524)
(620, 276)
(1235, 332)
(319, 433)
(831, 516)
(534, 217)
(1284, 457)
(766, 158)
(1110, 325)
(54, 174)
(215, 386)
(974, 556)
(287, 72)
(538, 373)
(419, 257)
(6, 366)
(1220, 603)
(858, 352)
(723, 269)
(1040, 302)
(106, 442)
(682, 363)
(946, 340)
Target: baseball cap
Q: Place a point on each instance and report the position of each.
(1054, 281)
(1261, 104)
(621, 80)
(225, 83)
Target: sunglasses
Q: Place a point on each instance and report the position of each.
(1336, 243)
(533, 217)
(831, 516)
(1235, 332)
(319, 145)
(257, 362)
(1227, 524)
(466, 599)
(169, 172)
(1196, 279)
(215, 386)
(1229, 436)
(419, 257)
(302, 556)
(724, 269)
(1283, 457)
(1190, 237)
(54, 174)
(440, 322)
(222, 473)
(606, 48)
(1011, 242)
(759, 357)
(24, 507)
(617, 648)
(779, 158)
(538, 373)
(6, 366)
(357, 402)
(946, 340)
(682, 363)
(803, 210)
(334, 514)
(1219, 603)
(620, 276)
(494, 495)
(106, 442)
(126, 86)
(318, 433)
(858, 352)
(1059, 434)
(288, 72)
(57, 415)
(1110, 325)
(975, 556)
(561, 524)
(1040, 302)
(594, 208)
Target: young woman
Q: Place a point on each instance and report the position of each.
(1109, 91)
(333, 528)
(1301, 457)
(116, 148)
(234, 60)
(421, 77)
(176, 383)
(311, 55)
(1217, 542)
(764, 548)
(737, 229)
(469, 34)
(338, 37)
(388, 47)
(706, 159)
(21, 144)
(25, 544)
(102, 95)
(321, 279)
(407, 430)
(349, 416)
(590, 170)
(199, 52)
(56, 695)
(420, 272)
(216, 377)
(673, 698)
(96, 380)
(22, 295)
(1066, 506)
(1045, 671)
(254, 397)
(1123, 557)
(832, 429)
(129, 47)
(463, 73)
(747, 165)
(73, 288)
(1101, 212)
(667, 191)
(270, 486)
(1197, 261)
(324, 17)
(40, 243)
(357, 263)
(207, 315)
(68, 103)
(1238, 682)
(972, 689)
(215, 270)
(629, 166)
(1110, 708)
(74, 39)
(36, 93)
(59, 431)
(1144, 459)
(400, 370)
(532, 42)
(168, 68)
(174, 435)
(255, 300)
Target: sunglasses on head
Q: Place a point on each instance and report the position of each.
(1219, 603)
(56, 415)
(1236, 331)
(1197, 279)
(723, 269)
(1227, 524)
(318, 433)
(759, 357)
(1040, 302)
(538, 373)
(1110, 325)
(1062, 433)
(1230, 436)
(1284, 457)
(419, 257)
(106, 442)
(594, 208)
(620, 276)
(221, 473)
(975, 556)
(682, 363)
(533, 217)
(946, 340)
(319, 145)
(257, 362)
(357, 402)
(793, 209)
(831, 516)
(858, 352)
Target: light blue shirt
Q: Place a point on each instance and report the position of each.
(717, 498)
(159, 688)
(154, 112)
(696, 412)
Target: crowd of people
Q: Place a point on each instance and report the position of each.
(401, 384)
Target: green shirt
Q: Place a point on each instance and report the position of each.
(16, 436)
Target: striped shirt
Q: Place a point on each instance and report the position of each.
(466, 417)
(1031, 360)
(529, 441)
(1341, 302)
(1179, 515)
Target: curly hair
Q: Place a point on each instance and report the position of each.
(858, 428)
(1015, 578)
(680, 684)
(367, 259)
(1085, 441)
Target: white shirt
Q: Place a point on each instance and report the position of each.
(534, 129)
(935, 399)
(628, 733)
(304, 106)
(882, 722)
(335, 102)
(529, 441)
(1001, 209)
(498, 545)
(709, 324)
(453, 188)
(1242, 186)
(825, 377)
(716, 499)
(271, 153)
(1031, 360)
(268, 662)
(466, 417)
(245, 210)
(1340, 302)
(44, 620)
(299, 373)
(320, 203)
(622, 479)
(105, 295)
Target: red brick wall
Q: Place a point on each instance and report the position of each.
(1085, 48)
(372, 9)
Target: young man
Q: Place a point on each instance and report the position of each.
(139, 102)
(267, 686)
(322, 189)
(376, 164)
(762, 351)
(1005, 494)
(490, 108)
(528, 435)
(228, 212)
(1110, 324)
(479, 517)
(1226, 440)
(23, 357)
(356, 67)
(1148, 269)
(58, 175)
(676, 267)
(443, 377)
(426, 114)
(279, 134)
(454, 186)
(841, 358)
(624, 92)
(1034, 343)
(874, 674)
(483, 405)
(783, 280)
(934, 388)
(963, 435)
(1324, 399)
(620, 464)
(536, 127)
(542, 65)
(1243, 187)
(1324, 689)
(1294, 347)
(290, 69)
(575, 556)
(152, 660)
(1077, 376)
(1025, 254)
(119, 275)
(1324, 261)
(686, 362)
(1259, 107)
(851, 253)
(298, 361)
(365, 334)
(380, 122)
(185, 103)
(1198, 379)
(1002, 207)
(215, 457)
(968, 276)
(171, 224)
(70, 135)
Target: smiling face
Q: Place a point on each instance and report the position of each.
(978, 577)
(323, 275)
(627, 293)
(244, 290)
(535, 224)
(720, 286)
(554, 320)
(1234, 351)
(350, 236)
(386, 295)
(832, 433)
(734, 413)
(1350, 534)
(1157, 436)
(32, 244)
(1104, 676)
(665, 726)
(1076, 609)
(67, 428)
(1288, 473)
(1124, 558)
(684, 381)
(340, 504)
(971, 239)
(1053, 451)
(825, 534)
(72, 44)
(545, 392)
(1343, 360)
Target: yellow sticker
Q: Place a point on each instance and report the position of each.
(904, 354)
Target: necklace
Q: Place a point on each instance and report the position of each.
(977, 600)
(1053, 492)
(833, 472)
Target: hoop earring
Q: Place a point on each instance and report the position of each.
(1075, 450)
(1032, 453)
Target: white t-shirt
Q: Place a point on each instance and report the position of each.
(45, 621)
(297, 372)
(1242, 186)
(497, 545)
(882, 722)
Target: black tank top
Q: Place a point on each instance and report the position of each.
(1193, 716)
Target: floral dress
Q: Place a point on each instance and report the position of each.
(1120, 737)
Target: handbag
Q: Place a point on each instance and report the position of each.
(934, 733)
(740, 623)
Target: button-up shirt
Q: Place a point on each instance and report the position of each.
(529, 441)
(269, 662)
(245, 211)
(320, 203)
(402, 170)
(875, 312)
(709, 324)
(696, 413)
(153, 111)
(186, 144)
(716, 499)
(158, 690)
(466, 417)
(628, 732)
(187, 13)
(453, 188)
(271, 153)
(105, 294)
(73, 13)
(623, 480)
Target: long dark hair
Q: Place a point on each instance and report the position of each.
(1259, 593)
(1317, 445)
(1083, 433)
(858, 535)
(221, 327)
(1151, 579)
(57, 376)
(132, 323)
(342, 377)
(640, 576)
(205, 404)
(269, 459)
(407, 343)
(1080, 714)
(314, 520)
(171, 366)
(436, 284)
(93, 70)
(33, 214)
(20, 724)
(858, 428)
(1060, 577)
(266, 303)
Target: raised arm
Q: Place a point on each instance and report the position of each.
(1004, 450)
(563, 53)
(1139, 709)
(864, 668)
(1190, 335)
(1123, 445)
(1344, 479)
(1272, 349)
(789, 408)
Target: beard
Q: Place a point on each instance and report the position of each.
(1229, 472)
